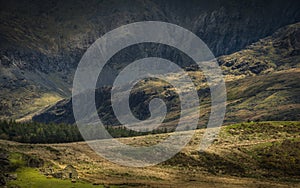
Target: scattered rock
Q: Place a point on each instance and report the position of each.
(35, 162)
(12, 176)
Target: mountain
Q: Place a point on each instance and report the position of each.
(41, 42)
(262, 83)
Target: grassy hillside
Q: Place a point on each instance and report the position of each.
(280, 51)
(264, 154)
(250, 98)
(263, 98)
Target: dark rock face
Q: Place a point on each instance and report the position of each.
(225, 26)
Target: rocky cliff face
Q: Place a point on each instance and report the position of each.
(42, 42)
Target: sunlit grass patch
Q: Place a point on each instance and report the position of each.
(32, 178)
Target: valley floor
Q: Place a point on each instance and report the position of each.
(265, 154)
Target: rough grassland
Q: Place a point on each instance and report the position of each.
(264, 154)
